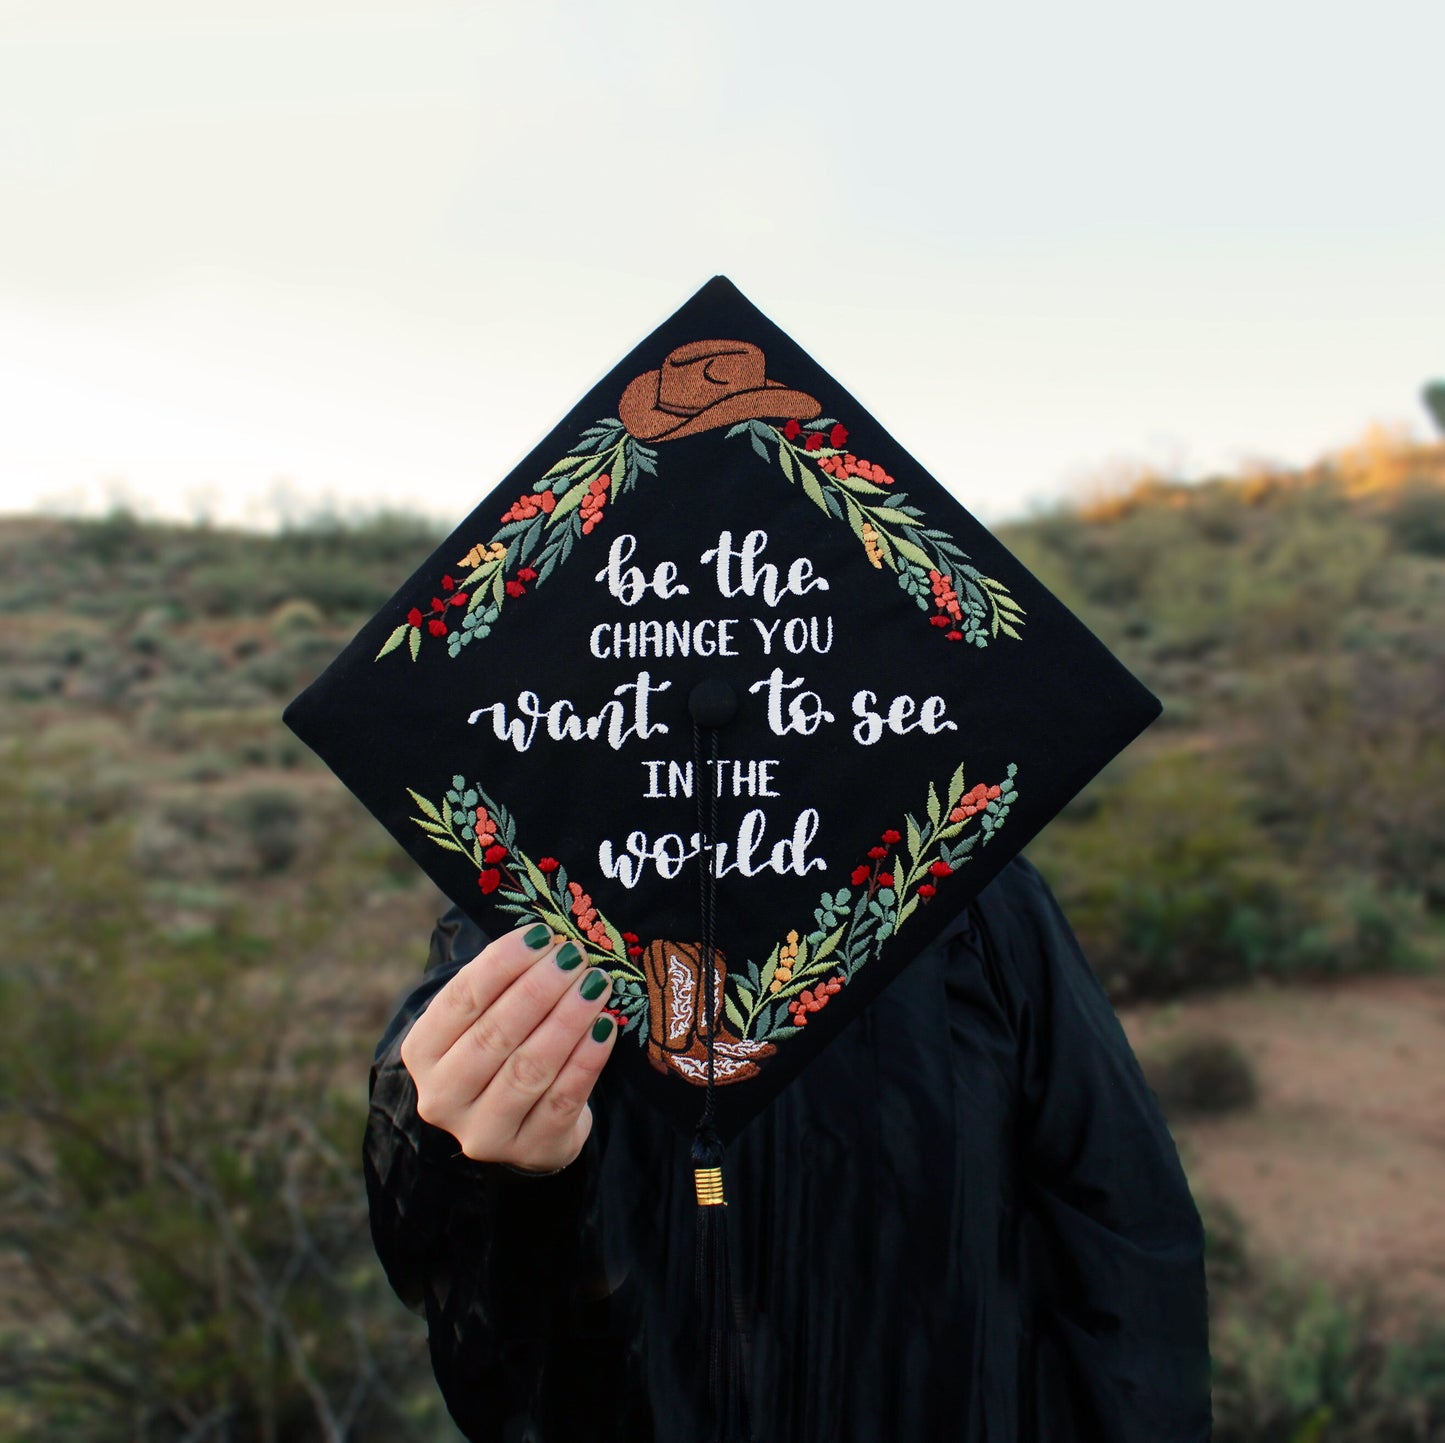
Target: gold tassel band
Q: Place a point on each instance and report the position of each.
(709, 1187)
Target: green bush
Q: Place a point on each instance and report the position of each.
(185, 1247)
(1417, 519)
(1204, 1074)
(1169, 882)
(272, 821)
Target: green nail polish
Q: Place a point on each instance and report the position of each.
(593, 984)
(537, 937)
(569, 956)
(602, 1028)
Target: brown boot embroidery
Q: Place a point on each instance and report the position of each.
(677, 1028)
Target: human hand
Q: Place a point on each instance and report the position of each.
(505, 1058)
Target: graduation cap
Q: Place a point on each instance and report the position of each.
(720, 683)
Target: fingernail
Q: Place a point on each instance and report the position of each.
(569, 956)
(602, 1028)
(593, 984)
(537, 937)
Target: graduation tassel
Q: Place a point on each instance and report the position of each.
(712, 705)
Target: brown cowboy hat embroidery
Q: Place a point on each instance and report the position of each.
(704, 385)
(677, 1026)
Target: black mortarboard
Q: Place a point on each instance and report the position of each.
(719, 601)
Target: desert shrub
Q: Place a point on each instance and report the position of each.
(1296, 1361)
(1170, 883)
(185, 1245)
(271, 819)
(1416, 520)
(1206, 1074)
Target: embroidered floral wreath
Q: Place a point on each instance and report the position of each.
(708, 385)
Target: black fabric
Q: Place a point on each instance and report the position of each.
(982, 1236)
(913, 705)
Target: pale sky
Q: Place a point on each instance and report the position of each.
(264, 258)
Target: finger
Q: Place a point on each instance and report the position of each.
(473, 1060)
(561, 1116)
(494, 1117)
(472, 990)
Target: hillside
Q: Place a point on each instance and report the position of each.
(205, 934)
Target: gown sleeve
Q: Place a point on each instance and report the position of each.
(1110, 1233)
(504, 1266)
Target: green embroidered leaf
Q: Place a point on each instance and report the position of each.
(891, 514)
(1003, 599)
(433, 829)
(785, 460)
(855, 517)
(738, 429)
(1008, 631)
(565, 464)
(813, 490)
(415, 640)
(909, 908)
(447, 845)
(769, 968)
(829, 944)
(934, 810)
(916, 554)
(539, 880)
(915, 841)
(860, 487)
(955, 784)
(734, 1016)
(588, 467)
(569, 503)
(394, 640)
(758, 444)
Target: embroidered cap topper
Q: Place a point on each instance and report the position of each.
(721, 657)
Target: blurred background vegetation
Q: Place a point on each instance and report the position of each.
(204, 934)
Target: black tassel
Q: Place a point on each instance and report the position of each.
(713, 1285)
(712, 706)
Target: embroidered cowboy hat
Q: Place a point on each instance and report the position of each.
(706, 384)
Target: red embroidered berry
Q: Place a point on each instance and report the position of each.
(927, 890)
(814, 442)
(448, 584)
(437, 627)
(437, 604)
(885, 879)
(941, 869)
(892, 837)
(860, 875)
(877, 854)
(939, 621)
(457, 599)
(792, 429)
(994, 792)
(837, 436)
(413, 617)
(515, 588)
(634, 951)
(549, 500)
(548, 865)
(953, 636)
(490, 880)
(630, 937)
(495, 853)
(526, 574)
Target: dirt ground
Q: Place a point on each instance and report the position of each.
(1341, 1167)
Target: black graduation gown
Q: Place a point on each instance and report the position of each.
(965, 1222)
